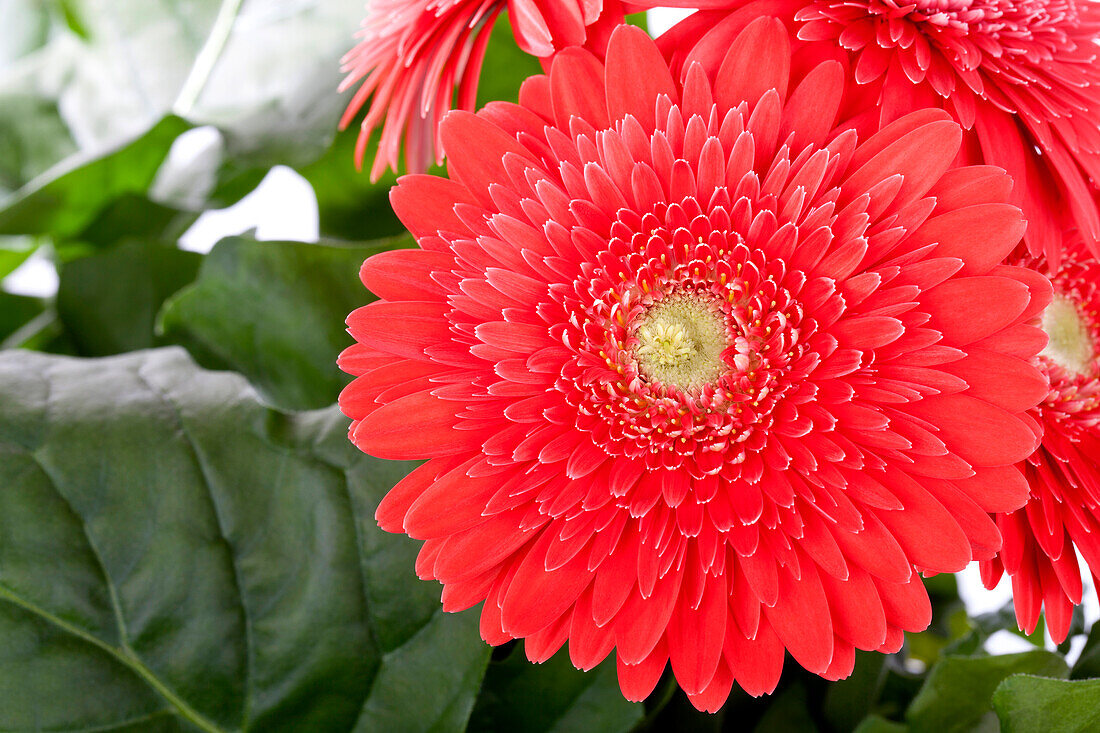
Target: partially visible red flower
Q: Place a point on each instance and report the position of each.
(1063, 513)
(1020, 75)
(700, 375)
(414, 56)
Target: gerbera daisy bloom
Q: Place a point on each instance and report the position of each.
(699, 377)
(414, 56)
(1019, 75)
(1063, 513)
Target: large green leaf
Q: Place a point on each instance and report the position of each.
(275, 312)
(956, 695)
(1026, 704)
(64, 201)
(108, 302)
(175, 555)
(553, 697)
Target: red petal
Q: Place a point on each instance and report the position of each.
(403, 329)
(577, 88)
(455, 502)
(537, 596)
(996, 489)
(856, 609)
(588, 644)
(758, 60)
(405, 274)
(636, 76)
(476, 150)
(714, 695)
(638, 680)
(811, 111)
(757, 663)
(978, 432)
(425, 204)
(981, 236)
(483, 547)
(926, 531)
(921, 156)
(390, 514)
(695, 636)
(801, 618)
(414, 427)
(971, 308)
(1005, 381)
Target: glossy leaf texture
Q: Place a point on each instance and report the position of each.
(174, 554)
(1028, 703)
(275, 312)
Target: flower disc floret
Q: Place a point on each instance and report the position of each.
(701, 375)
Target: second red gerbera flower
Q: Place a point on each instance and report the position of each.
(699, 376)
(1063, 514)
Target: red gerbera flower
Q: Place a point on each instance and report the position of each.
(1063, 513)
(414, 55)
(1020, 75)
(698, 376)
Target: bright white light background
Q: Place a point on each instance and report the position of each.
(283, 206)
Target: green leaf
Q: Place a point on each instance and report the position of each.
(349, 206)
(33, 137)
(16, 311)
(788, 711)
(1088, 664)
(553, 697)
(109, 302)
(174, 554)
(275, 312)
(879, 724)
(64, 201)
(14, 251)
(849, 700)
(1025, 703)
(956, 695)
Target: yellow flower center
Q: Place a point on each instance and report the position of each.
(1070, 345)
(680, 342)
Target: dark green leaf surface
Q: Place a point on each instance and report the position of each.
(109, 302)
(275, 312)
(174, 554)
(1088, 664)
(956, 695)
(553, 697)
(16, 311)
(1026, 704)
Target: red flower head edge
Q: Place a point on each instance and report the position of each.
(700, 375)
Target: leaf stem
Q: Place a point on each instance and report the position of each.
(208, 57)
